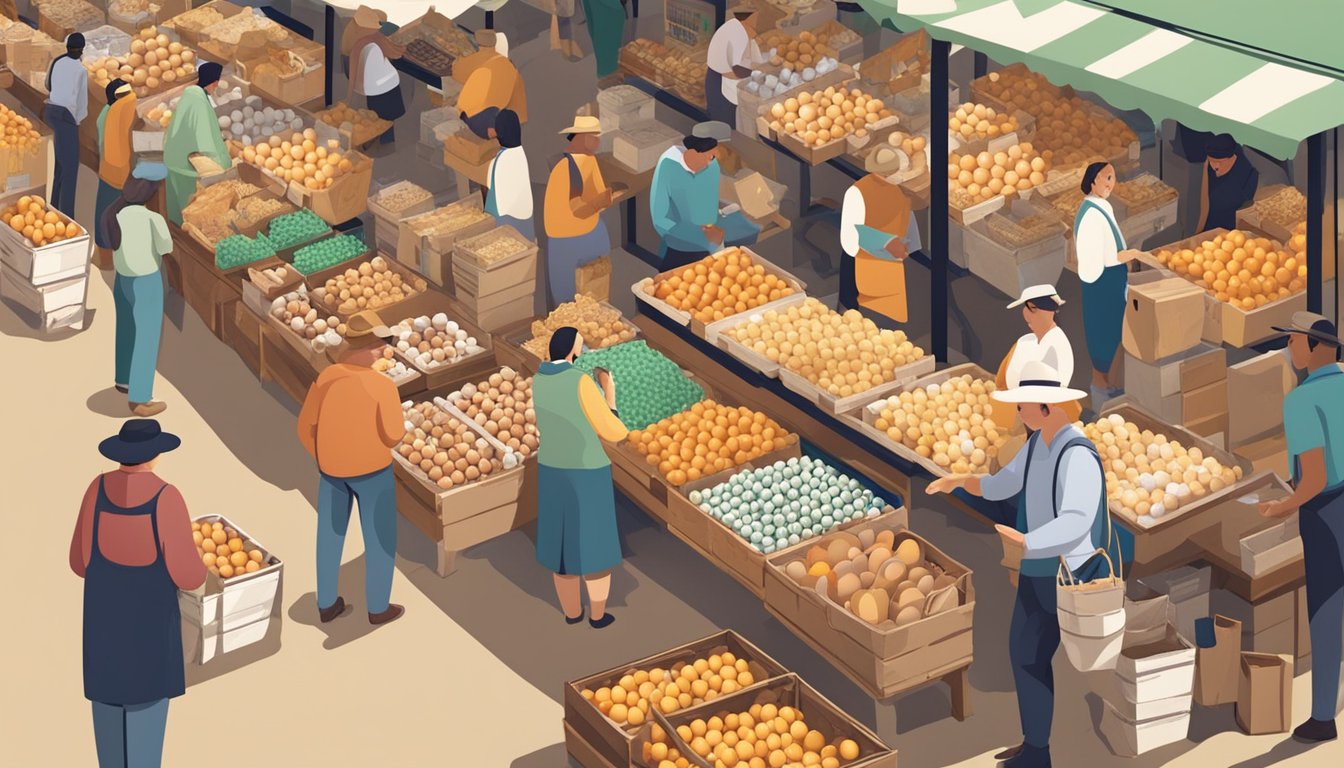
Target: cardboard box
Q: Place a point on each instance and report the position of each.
(1204, 403)
(1158, 386)
(639, 146)
(1162, 318)
(230, 613)
(1255, 392)
(1267, 454)
(53, 305)
(1130, 738)
(1265, 693)
(1271, 548)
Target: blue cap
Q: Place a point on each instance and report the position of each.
(150, 171)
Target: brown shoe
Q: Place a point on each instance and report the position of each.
(1009, 753)
(392, 613)
(333, 611)
(146, 410)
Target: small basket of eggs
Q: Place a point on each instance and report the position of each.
(155, 63)
(816, 125)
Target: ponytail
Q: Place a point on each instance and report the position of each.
(134, 192)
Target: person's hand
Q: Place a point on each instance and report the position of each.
(1128, 255)
(946, 484)
(1276, 509)
(897, 248)
(1011, 535)
(714, 233)
(608, 384)
(605, 199)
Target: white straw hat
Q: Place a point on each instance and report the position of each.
(1034, 292)
(1039, 384)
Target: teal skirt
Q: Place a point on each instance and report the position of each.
(1104, 315)
(576, 521)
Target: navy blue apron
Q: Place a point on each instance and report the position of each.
(132, 622)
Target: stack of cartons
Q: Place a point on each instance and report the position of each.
(1187, 589)
(622, 106)
(1156, 681)
(1255, 392)
(1276, 624)
(496, 291)
(50, 281)
(639, 146)
(228, 614)
(390, 205)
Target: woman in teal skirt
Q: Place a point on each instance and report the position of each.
(577, 538)
(1103, 267)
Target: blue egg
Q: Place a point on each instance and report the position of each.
(827, 522)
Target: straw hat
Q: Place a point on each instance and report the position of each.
(1036, 293)
(1039, 384)
(369, 18)
(584, 124)
(367, 323)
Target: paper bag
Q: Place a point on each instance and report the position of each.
(1265, 693)
(594, 279)
(1217, 668)
(1145, 620)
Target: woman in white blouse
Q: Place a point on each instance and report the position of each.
(1046, 343)
(1103, 267)
(509, 198)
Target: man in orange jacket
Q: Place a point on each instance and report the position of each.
(350, 421)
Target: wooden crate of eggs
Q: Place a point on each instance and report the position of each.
(239, 598)
(817, 126)
(980, 184)
(155, 63)
(304, 328)
(883, 604)
(502, 406)
(443, 348)
(607, 710)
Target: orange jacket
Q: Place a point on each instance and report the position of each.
(351, 420)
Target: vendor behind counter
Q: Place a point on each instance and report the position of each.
(684, 200)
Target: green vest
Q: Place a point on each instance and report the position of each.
(568, 441)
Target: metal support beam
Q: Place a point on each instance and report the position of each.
(1315, 214)
(938, 105)
(981, 65)
(328, 41)
(489, 19)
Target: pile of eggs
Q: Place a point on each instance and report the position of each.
(253, 122)
(16, 131)
(154, 62)
(371, 285)
(786, 503)
(767, 85)
(844, 354)
(502, 406)
(630, 700)
(706, 438)
(295, 312)
(447, 451)
(764, 735)
(977, 178)
(1070, 129)
(1241, 269)
(726, 283)
(298, 159)
(972, 121)
(30, 217)
(1149, 476)
(950, 423)
(434, 341)
(819, 117)
(224, 551)
(389, 365)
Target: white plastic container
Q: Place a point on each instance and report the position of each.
(232, 613)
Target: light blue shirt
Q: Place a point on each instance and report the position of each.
(1313, 417)
(1081, 487)
(70, 87)
(681, 203)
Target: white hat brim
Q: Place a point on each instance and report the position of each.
(1058, 301)
(1042, 395)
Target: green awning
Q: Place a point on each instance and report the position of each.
(1133, 65)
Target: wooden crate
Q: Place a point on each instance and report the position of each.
(643, 290)
(387, 222)
(242, 333)
(280, 364)
(432, 254)
(191, 36)
(319, 279)
(613, 742)
(208, 291)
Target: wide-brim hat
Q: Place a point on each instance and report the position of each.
(584, 124)
(139, 441)
(367, 323)
(1314, 326)
(1039, 384)
(1036, 293)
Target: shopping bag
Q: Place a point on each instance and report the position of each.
(1265, 693)
(1104, 594)
(1145, 620)
(1091, 616)
(1217, 668)
(594, 279)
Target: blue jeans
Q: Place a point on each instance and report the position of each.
(130, 736)
(139, 305)
(1032, 641)
(376, 494)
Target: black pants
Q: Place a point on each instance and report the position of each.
(849, 288)
(66, 145)
(1032, 641)
(675, 259)
(388, 106)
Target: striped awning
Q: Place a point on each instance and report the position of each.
(1132, 64)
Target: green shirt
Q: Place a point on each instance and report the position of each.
(144, 241)
(572, 418)
(1313, 417)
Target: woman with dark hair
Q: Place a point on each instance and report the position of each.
(139, 238)
(509, 198)
(1103, 267)
(1044, 342)
(115, 124)
(577, 537)
(1229, 184)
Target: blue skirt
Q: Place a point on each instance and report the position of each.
(576, 521)
(1104, 315)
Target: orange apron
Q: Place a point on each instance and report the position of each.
(1005, 414)
(881, 282)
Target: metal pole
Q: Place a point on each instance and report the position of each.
(327, 42)
(489, 19)
(981, 64)
(1315, 218)
(938, 204)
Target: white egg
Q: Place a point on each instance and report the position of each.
(1157, 510)
(440, 321)
(1147, 482)
(809, 74)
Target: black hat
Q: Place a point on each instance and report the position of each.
(139, 441)
(1312, 326)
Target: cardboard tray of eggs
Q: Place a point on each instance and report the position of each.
(486, 491)
(1188, 505)
(866, 420)
(886, 603)
(821, 728)
(644, 291)
(616, 741)
(307, 333)
(462, 367)
(413, 284)
(718, 334)
(225, 596)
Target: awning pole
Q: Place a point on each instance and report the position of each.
(326, 41)
(938, 107)
(1315, 218)
(980, 64)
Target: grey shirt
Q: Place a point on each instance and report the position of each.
(70, 87)
(1081, 486)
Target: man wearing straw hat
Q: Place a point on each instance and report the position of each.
(1313, 422)
(1062, 491)
(576, 196)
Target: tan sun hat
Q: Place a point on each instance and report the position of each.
(367, 323)
(584, 124)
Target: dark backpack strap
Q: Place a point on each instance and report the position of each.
(575, 177)
(1102, 509)
(52, 68)
(1022, 494)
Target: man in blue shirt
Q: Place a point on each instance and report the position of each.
(1313, 422)
(684, 197)
(1065, 496)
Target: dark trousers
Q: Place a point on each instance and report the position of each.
(66, 146)
(1032, 641)
(849, 288)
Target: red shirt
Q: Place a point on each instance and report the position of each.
(129, 539)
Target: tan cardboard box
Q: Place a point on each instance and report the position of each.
(1204, 403)
(1162, 318)
(1255, 392)
(1268, 453)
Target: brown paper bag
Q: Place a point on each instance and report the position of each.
(1265, 693)
(594, 279)
(1217, 669)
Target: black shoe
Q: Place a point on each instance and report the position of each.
(331, 612)
(1316, 731)
(574, 620)
(605, 621)
(123, 389)
(1029, 757)
(1009, 753)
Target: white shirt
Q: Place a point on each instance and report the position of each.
(513, 183)
(854, 211)
(379, 74)
(1053, 349)
(1095, 242)
(730, 47)
(70, 87)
